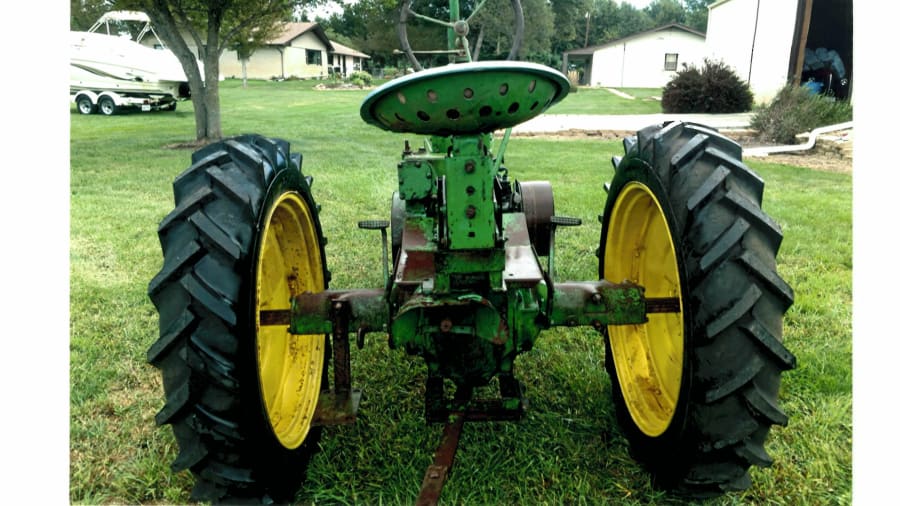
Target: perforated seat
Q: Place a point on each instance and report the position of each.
(466, 98)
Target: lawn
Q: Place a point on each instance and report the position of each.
(602, 101)
(567, 450)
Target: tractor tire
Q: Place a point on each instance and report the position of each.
(695, 391)
(244, 236)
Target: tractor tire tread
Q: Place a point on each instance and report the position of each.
(207, 242)
(737, 304)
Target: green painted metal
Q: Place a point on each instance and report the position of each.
(451, 33)
(468, 292)
(465, 98)
(469, 183)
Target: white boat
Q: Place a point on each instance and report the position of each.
(110, 72)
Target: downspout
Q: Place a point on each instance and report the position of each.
(753, 45)
(622, 72)
(281, 52)
(799, 147)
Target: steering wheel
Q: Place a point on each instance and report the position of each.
(460, 30)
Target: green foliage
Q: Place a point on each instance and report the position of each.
(713, 88)
(697, 13)
(664, 12)
(569, 24)
(362, 77)
(83, 13)
(370, 26)
(495, 19)
(796, 110)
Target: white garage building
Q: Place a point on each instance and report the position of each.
(644, 60)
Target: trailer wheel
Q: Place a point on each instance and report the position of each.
(85, 105)
(244, 237)
(107, 106)
(696, 391)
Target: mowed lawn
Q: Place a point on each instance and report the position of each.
(567, 450)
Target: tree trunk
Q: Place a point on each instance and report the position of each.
(244, 70)
(478, 42)
(211, 100)
(205, 87)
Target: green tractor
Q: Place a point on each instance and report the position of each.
(254, 347)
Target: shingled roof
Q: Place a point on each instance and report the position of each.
(349, 51)
(293, 30)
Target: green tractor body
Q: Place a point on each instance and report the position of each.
(468, 292)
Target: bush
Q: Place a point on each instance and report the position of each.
(573, 81)
(714, 88)
(796, 110)
(361, 76)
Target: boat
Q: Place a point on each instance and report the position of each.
(110, 71)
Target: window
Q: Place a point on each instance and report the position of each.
(671, 61)
(313, 57)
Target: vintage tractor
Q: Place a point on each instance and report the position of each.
(688, 301)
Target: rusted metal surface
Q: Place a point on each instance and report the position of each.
(275, 317)
(438, 472)
(341, 343)
(663, 305)
(537, 204)
(521, 268)
(334, 409)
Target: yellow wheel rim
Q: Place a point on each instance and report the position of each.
(290, 366)
(648, 358)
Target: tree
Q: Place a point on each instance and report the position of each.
(370, 26)
(494, 26)
(84, 13)
(568, 23)
(664, 12)
(697, 13)
(209, 26)
(629, 20)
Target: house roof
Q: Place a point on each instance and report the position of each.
(293, 30)
(717, 3)
(349, 51)
(678, 26)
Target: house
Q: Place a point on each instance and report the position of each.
(345, 60)
(647, 59)
(299, 50)
(772, 42)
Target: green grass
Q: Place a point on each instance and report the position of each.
(568, 449)
(602, 101)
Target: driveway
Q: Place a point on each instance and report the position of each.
(549, 123)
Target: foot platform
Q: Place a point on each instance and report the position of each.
(465, 99)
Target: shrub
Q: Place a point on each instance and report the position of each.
(361, 76)
(714, 88)
(573, 81)
(392, 72)
(796, 110)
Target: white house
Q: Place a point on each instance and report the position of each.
(772, 42)
(345, 60)
(643, 60)
(300, 50)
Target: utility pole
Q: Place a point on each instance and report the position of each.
(587, 26)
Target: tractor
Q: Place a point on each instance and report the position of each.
(254, 347)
